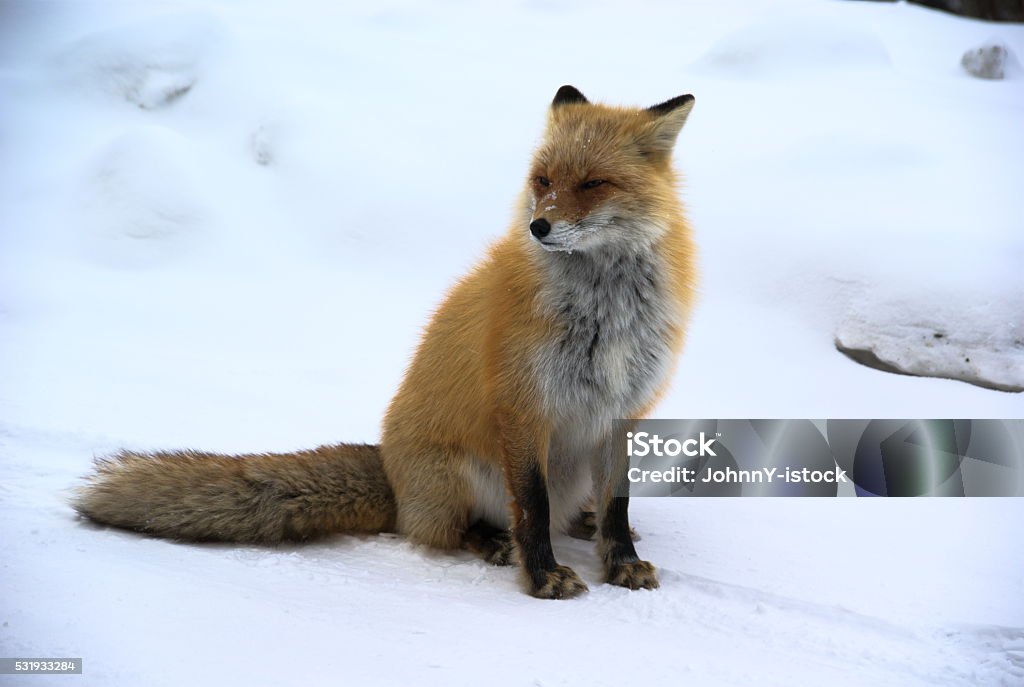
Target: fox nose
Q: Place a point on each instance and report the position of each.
(540, 228)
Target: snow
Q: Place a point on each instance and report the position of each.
(224, 225)
(794, 46)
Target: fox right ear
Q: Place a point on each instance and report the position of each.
(683, 103)
(568, 94)
(668, 119)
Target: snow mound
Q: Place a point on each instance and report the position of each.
(793, 46)
(982, 346)
(150, 64)
(138, 204)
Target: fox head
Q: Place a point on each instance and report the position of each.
(603, 175)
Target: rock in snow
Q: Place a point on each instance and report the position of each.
(987, 62)
(984, 349)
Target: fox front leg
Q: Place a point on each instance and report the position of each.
(622, 565)
(531, 521)
(545, 578)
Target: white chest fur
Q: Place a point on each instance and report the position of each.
(613, 312)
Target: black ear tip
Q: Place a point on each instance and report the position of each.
(673, 104)
(568, 94)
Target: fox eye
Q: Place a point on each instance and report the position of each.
(543, 181)
(593, 183)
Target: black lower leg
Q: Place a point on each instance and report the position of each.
(533, 527)
(622, 566)
(615, 533)
(545, 578)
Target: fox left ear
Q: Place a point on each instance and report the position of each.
(669, 118)
(568, 94)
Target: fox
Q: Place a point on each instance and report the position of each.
(503, 427)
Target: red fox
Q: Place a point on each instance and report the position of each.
(502, 427)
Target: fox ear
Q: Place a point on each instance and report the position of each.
(566, 95)
(669, 118)
(684, 102)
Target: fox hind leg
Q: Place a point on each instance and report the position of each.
(432, 495)
(494, 544)
(583, 526)
(442, 507)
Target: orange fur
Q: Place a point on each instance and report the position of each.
(513, 384)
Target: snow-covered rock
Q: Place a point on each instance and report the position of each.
(954, 340)
(988, 61)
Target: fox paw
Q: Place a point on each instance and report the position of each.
(494, 545)
(560, 583)
(501, 550)
(583, 526)
(636, 575)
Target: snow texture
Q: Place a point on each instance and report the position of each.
(150, 64)
(791, 45)
(224, 225)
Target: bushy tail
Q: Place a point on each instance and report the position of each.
(256, 499)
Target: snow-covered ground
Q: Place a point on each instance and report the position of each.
(222, 225)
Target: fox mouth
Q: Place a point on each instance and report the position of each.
(558, 242)
(553, 246)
